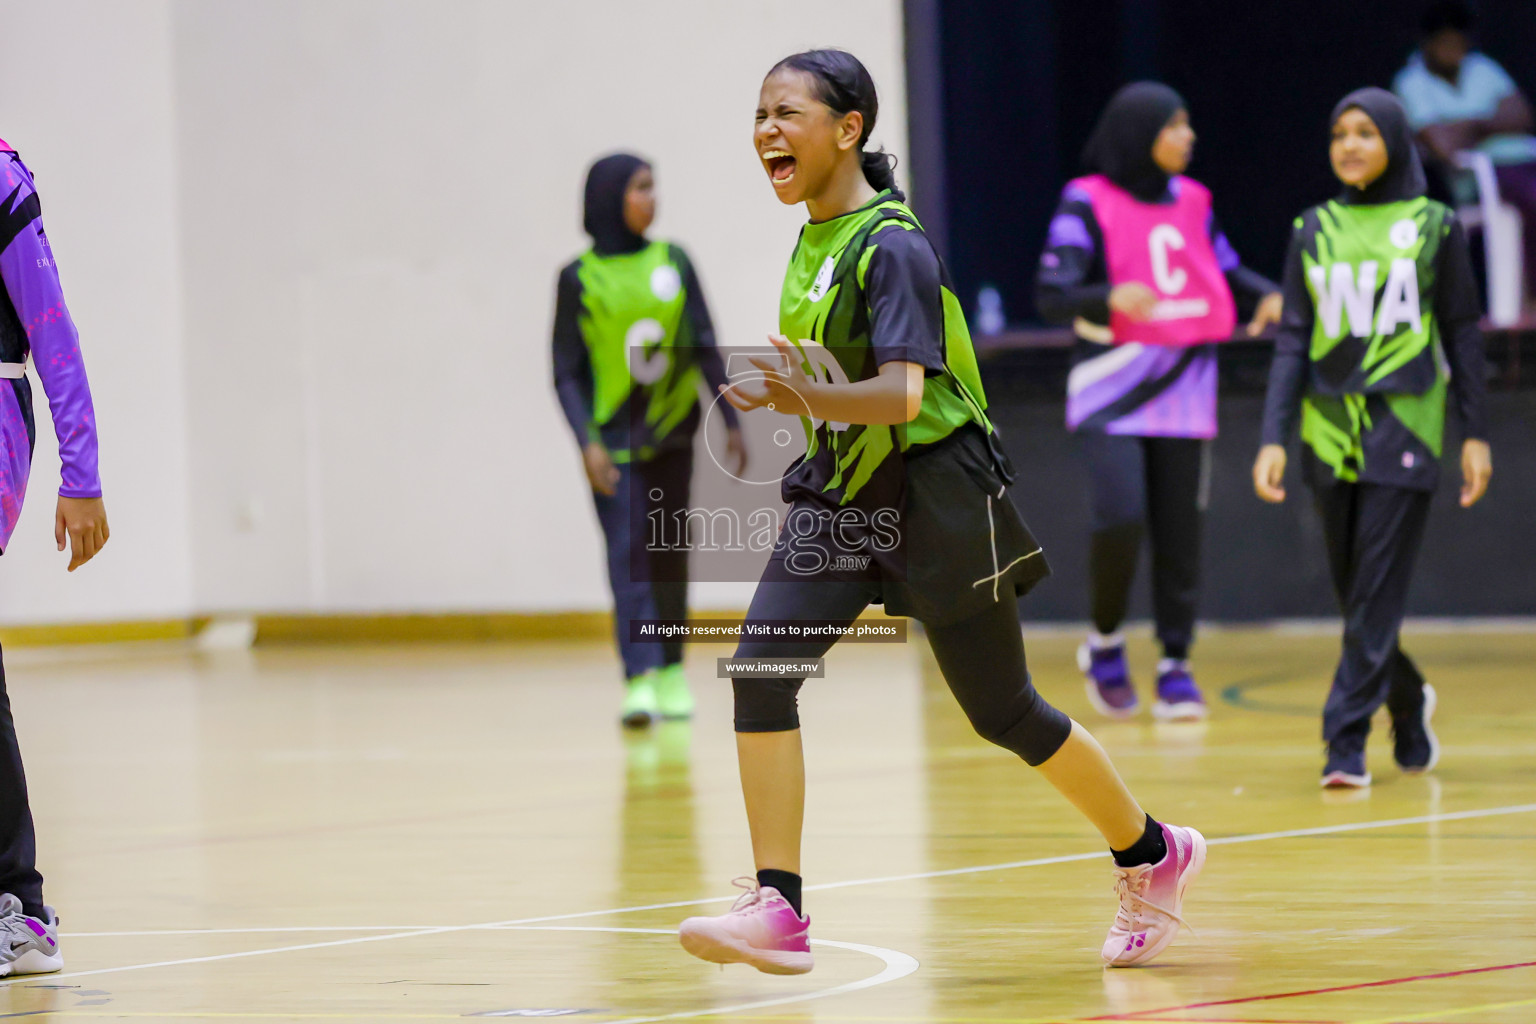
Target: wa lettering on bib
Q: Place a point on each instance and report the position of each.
(1371, 274)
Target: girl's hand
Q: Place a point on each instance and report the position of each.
(1270, 308)
(84, 522)
(1476, 468)
(1134, 299)
(1269, 473)
(735, 452)
(602, 474)
(784, 386)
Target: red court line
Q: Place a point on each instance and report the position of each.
(1142, 1014)
(1235, 1020)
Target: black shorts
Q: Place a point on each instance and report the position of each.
(955, 547)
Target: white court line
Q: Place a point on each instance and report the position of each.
(255, 931)
(1253, 837)
(897, 966)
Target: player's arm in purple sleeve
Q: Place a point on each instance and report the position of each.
(1248, 286)
(697, 311)
(1071, 280)
(32, 282)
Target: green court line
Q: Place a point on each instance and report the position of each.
(1237, 696)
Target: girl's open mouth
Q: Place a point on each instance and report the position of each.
(781, 166)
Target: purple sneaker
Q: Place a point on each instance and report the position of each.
(762, 929)
(1108, 679)
(1178, 698)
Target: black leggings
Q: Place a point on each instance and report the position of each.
(982, 659)
(18, 845)
(1139, 485)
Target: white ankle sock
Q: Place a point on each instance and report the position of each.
(1098, 641)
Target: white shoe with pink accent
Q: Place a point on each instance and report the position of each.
(762, 929)
(1151, 898)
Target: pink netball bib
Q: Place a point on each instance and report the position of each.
(1167, 247)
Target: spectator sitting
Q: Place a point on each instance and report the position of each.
(1458, 99)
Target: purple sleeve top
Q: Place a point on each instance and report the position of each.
(34, 320)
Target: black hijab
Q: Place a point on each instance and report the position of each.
(1404, 176)
(603, 216)
(1120, 147)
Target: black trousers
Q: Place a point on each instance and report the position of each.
(18, 841)
(1373, 534)
(648, 575)
(1140, 487)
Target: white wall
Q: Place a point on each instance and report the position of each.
(359, 208)
(86, 98)
(377, 196)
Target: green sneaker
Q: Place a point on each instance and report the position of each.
(640, 706)
(672, 695)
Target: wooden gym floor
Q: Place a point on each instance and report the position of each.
(420, 833)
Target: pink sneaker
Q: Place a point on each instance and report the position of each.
(1151, 896)
(762, 929)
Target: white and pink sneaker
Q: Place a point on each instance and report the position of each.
(762, 929)
(1151, 896)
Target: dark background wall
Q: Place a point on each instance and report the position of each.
(1019, 83)
(1266, 561)
(1002, 96)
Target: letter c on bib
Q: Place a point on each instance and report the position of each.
(647, 367)
(1163, 238)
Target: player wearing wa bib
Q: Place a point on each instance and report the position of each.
(633, 345)
(1380, 328)
(1378, 375)
(1141, 396)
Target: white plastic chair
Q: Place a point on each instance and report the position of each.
(1502, 231)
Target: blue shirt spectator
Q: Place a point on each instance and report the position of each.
(1459, 99)
(1474, 93)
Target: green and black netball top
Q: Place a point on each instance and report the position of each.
(633, 345)
(633, 340)
(862, 290)
(1380, 325)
